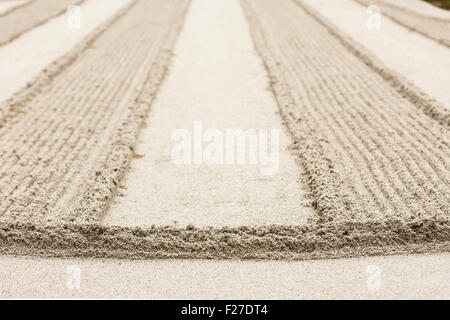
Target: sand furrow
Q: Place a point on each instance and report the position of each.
(7, 7)
(415, 171)
(317, 97)
(438, 135)
(323, 101)
(355, 148)
(436, 28)
(36, 69)
(372, 148)
(31, 15)
(36, 123)
(329, 240)
(64, 148)
(59, 149)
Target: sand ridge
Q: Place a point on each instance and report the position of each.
(399, 49)
(378, 168)
(6, 7)
(31, 15)
(317, 141)
(329, 166)
(27, 56)
(76, 145)
(312, 241)
(421, 7)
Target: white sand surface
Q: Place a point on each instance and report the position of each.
(415, 276)
(418, 58)
(421, 7)
(26, 56)
(216, 78)
(8, 5)
(392, 277)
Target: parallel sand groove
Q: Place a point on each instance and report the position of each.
(29, 16)
(47, 171)
(202, 86)
(395, 202)
(36, 50)
(421, 7)
(6, 7)
(402, 277)
(400, 155)
(397, 47)
(436, 28)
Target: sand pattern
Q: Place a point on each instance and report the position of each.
(69, 135)
(381, 155)
(31, 14)
(435, 28)
(6, 7)
(375, 148)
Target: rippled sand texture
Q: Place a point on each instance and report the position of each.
(30, 15)
(432, 26)
(373, 147)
